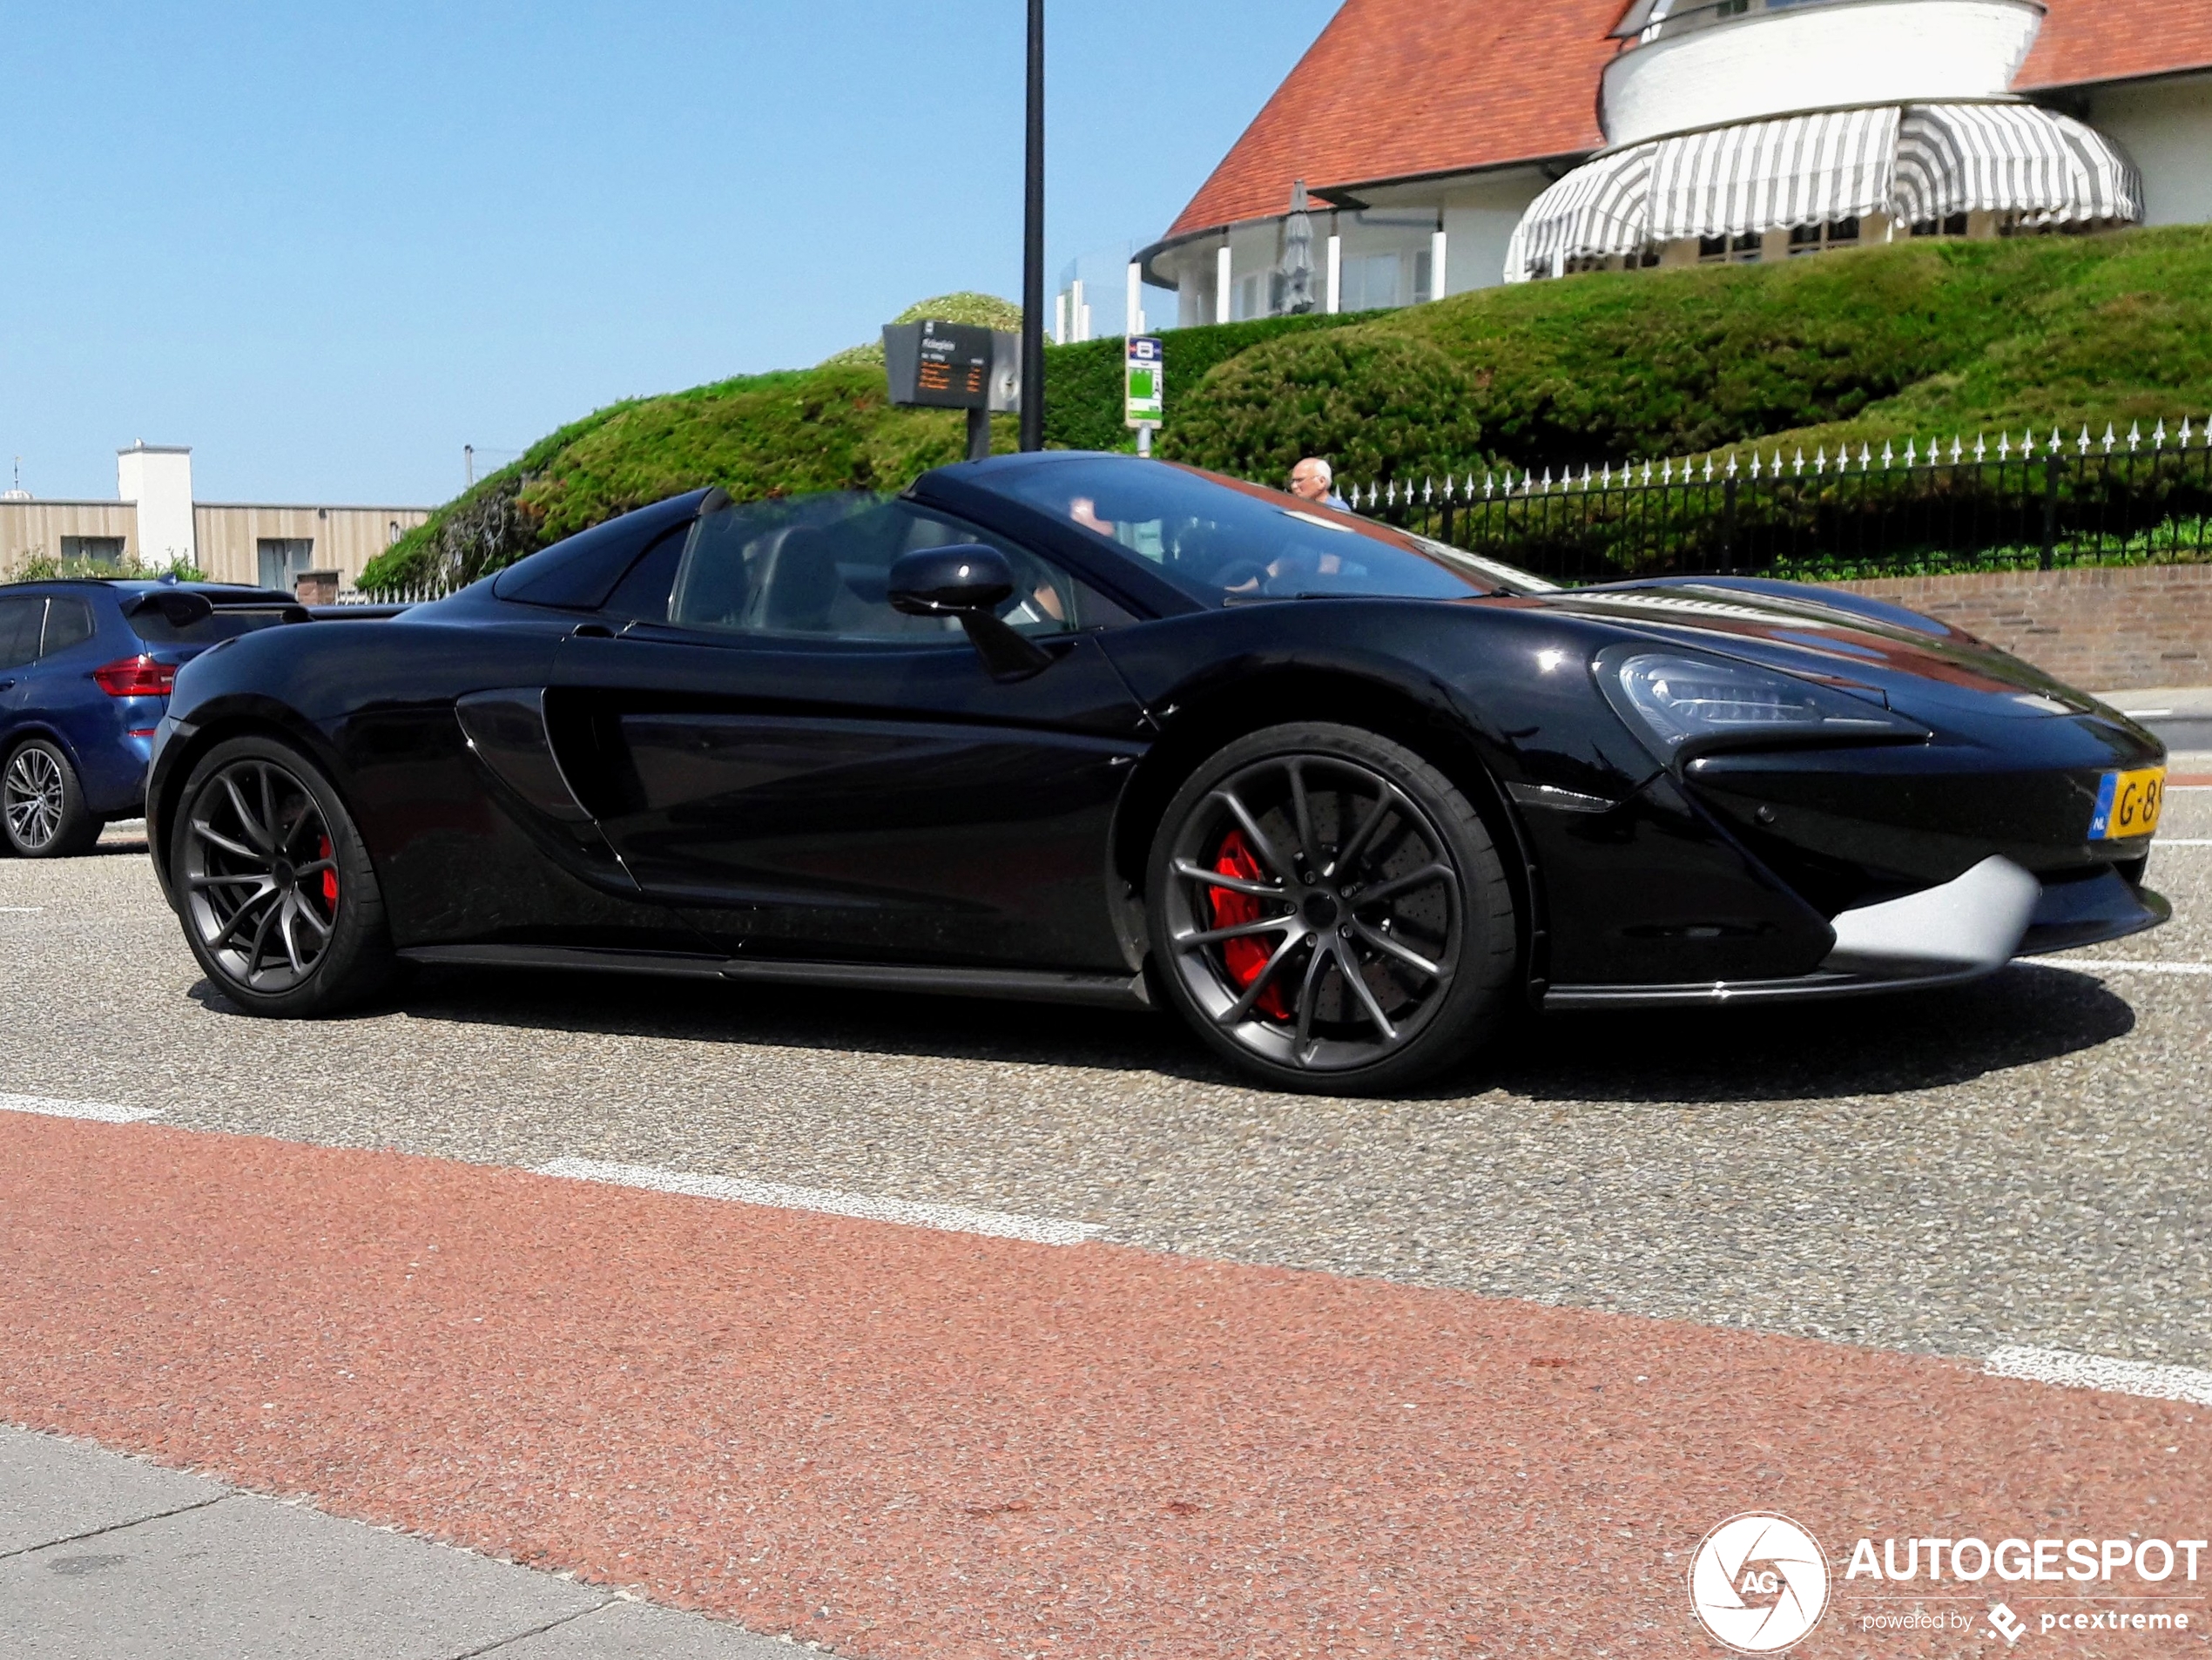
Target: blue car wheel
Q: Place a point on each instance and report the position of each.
(43, 804)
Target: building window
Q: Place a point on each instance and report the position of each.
(1729, 250)
(283, 558)
(1952, 224)
(1815, 238)
(92, 550)
(1371, 281)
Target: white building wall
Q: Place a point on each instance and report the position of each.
(1478, 220)
(2166, 127)
(1778, 63)
(157, 478)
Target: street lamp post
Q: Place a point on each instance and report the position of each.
(1033, 243)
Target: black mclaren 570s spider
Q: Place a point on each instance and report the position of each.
(1106, 730)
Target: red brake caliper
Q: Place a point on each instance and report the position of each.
(1245, 958)
(329, 877)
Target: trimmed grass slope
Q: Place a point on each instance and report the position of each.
(1917, 337)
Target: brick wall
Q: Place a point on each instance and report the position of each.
(2108, 627)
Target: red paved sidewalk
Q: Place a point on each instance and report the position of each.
(909, 1443)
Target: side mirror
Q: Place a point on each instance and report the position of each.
(969, 581)
(957, 581)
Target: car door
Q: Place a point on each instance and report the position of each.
(21, 618)
(801, 771)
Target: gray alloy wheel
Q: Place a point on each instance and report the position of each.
(279, 902)
(1322, 923)
(260, 875)
(42, 804)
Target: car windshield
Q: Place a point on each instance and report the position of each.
(1222, 540)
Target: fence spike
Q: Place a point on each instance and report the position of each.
(2109, 439)
(1731, 464)
(1866, 457)
(1548, 481)
(1647, 471)
(2004, 446)
(1708, 470)
(1910, 456)
(2134, 435)
(1982, 448)
(2082, 445)
(2056, 444)
(2158, 437)
(1755, 463)
(1427, 488)
(1586, 475)
(1888, 459)
(2185, 432)
(1605, 479)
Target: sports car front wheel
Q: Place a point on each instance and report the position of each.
(279, 902)
(1329, 913)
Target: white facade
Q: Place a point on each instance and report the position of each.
(157, 479)
(2167, 126)
(1748, 66)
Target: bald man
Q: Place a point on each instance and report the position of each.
(1310, 482)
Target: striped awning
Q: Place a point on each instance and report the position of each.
(1600, 209)
(1915, 163)
(1800, 170)
(2046, 167)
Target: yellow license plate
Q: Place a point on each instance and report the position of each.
(2128, 804)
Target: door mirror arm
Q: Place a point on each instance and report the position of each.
(1006, 653)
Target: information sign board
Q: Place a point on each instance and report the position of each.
(940, 365)
(1144, 381)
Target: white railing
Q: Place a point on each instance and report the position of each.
(1454, 489)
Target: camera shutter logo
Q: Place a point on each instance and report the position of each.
(1758, 1583)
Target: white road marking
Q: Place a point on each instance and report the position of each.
(2096, 1372)
(2145, 714)
(951, 1218)
(2116, 965)
(22, 910)
(98, 1111)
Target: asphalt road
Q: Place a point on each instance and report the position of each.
(2019, 1161)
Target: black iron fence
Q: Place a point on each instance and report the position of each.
(2016, 503)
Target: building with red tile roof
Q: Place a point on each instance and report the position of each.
(1427, 130)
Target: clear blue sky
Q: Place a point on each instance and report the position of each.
(328, 246)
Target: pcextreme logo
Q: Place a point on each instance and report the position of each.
(1759, 1582)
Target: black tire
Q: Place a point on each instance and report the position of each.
(42, 804)
(1369, 941)
(281, 927)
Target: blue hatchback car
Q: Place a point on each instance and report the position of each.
(85, 668)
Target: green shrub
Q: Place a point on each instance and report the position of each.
(1083, 382)
(1926, 337)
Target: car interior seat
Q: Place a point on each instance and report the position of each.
(798, 582)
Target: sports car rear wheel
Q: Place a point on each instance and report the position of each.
(280, 903)
(1329, 913)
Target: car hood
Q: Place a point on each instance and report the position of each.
(1922, 667)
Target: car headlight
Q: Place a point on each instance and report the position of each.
(1678, 700)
